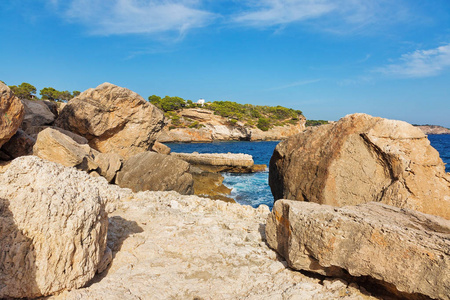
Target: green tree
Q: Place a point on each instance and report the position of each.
(263, 124)
(49, 93)
(75, 93)
(24, 90)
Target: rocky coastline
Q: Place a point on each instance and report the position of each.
(433, 129)
(211, 127)
(92, 207)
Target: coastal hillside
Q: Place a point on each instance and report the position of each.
(433, 129)
(225, 120)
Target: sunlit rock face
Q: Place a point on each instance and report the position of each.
(11, 113)
(360, 159)
(113, 119)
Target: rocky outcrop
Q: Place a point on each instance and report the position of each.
(278, 132)
(113, 119)
(151, 171)
(433, 129)
(19, 144)
(361, 159)
(37, 113)
(161, 148)
(53, 228)
(168, 246)
(210, 127)
(108, 165)
(11, 113)
(221, 162)
(54, 146)
(209, 184)
(399, 247)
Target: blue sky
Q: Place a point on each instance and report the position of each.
(327, 58)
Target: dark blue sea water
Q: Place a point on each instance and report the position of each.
(253, 189)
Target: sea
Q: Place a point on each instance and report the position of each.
(253, 189)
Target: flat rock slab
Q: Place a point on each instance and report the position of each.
(168, 246)
(402, 247)
(217, 159)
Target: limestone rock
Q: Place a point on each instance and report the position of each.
(155, 172)
(53, 228)
(402, 247)
(108, 164)
(169, 246)
(54, 146)
(360, 159)
(11, 113)
(37, 113)
(278, 132)
(34, 131)
(113, 119)
(160, 148)
(218, 162)
(185, 135)
(19, 144)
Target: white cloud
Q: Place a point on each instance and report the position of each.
(110, 17)
(274, 12)
(420, 63)
(337, 15)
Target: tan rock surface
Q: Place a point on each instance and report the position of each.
(108, 164)
(360, 159)
(54, 146)
(113, 119)
(151, 171)
(402, 247)
(37, 113)
(216, 159)
(11, 113)
(161, 148)
(167, 246)
(53, 228)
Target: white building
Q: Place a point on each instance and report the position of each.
(201, 102)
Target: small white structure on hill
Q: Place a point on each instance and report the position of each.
(201, 101)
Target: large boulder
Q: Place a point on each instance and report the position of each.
(19, 144)
(360, 159)
(113, 119)
(11, 113)
(55, 146)
(156, 172)
(37, 113)
(399, 247)
(53, 228)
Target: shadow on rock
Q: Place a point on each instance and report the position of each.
(119, 230)
(17, 258)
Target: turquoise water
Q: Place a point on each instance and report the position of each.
(253, 189)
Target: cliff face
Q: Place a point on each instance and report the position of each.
(433, 129)
(202, 125)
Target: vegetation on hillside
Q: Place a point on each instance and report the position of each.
(315, 122)
(263, 117)
(28, 91)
